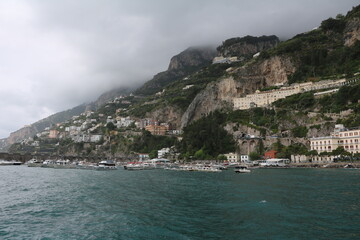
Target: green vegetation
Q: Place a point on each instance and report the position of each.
(299, 132)
(287, 151)
(346, 98)
(176, 95)
(147, 142)
(207, 138)
(229, 43)
(254, 156)
(321, 52)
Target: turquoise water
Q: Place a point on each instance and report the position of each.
(38, 203)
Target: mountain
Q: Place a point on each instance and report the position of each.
(181, 65)
(39, 126)
(246, 47)
(196, 95)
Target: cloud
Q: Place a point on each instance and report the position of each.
(58, 54)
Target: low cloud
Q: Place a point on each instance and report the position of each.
(59, 54)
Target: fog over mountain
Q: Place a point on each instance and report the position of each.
(58, 54)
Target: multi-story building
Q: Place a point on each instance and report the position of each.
(53, 133)
(341, 137)
(232, 157)
(157, 129)
(265, 98)
(244, 158)
(162, 152)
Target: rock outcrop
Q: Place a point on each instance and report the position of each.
(181, 65)
(192, 57)
(246, 47)
(242, 81)
(169, 114)
(352, 32)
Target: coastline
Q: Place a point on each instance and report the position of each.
(326, 165)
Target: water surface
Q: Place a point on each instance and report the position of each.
(43, 203)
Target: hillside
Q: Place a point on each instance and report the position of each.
(181, 65)
(194, 99)
(39, 126)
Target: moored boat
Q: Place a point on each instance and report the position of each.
(242, 169)
(106, 165)
(6, 163)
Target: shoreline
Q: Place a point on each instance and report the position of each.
(326, 165)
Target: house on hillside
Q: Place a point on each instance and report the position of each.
(270, 154)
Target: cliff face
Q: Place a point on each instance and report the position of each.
(181, 65)
(107, 96)
(352, 32)
(168, 114)
(205, 102)
(21, 134)
(39, 126)
(242, 81)
(247, 46)
(192, 57)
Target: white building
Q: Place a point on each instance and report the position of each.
(163, 152)
(124, 122)
(244, 158)
(341, 137)
(232, 157)
(265, 98)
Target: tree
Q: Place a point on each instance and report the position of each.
(153, 154)
(200, 155)
(339, 151)
(221, 157)
(312, 153)
(254, 156)
(110, 126)
(342, 154)
(209, 135)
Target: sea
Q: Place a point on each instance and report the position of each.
(45, 203)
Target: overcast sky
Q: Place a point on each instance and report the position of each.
(57, 54)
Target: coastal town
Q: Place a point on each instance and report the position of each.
(96, 131)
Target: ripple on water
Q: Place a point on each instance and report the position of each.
(41, 203)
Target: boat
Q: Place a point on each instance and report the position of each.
(6, 163)
(242, 169)
(106, 165)
(34, 163)
(274, 162)
(198, 168)
(139, 166)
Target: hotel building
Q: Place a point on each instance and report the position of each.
(265, 98)
(341, 137)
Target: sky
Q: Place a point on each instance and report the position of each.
(58, 54)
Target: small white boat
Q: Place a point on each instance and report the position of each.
(139, 166)
(242, 169)
(199, 168)
(5, 162)
(106, 165)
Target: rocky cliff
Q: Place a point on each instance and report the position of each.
(246, 47)
(241, 81)
(192, 57)
(107, 96)
(31, 130)
(352, 32)
(181, 65)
